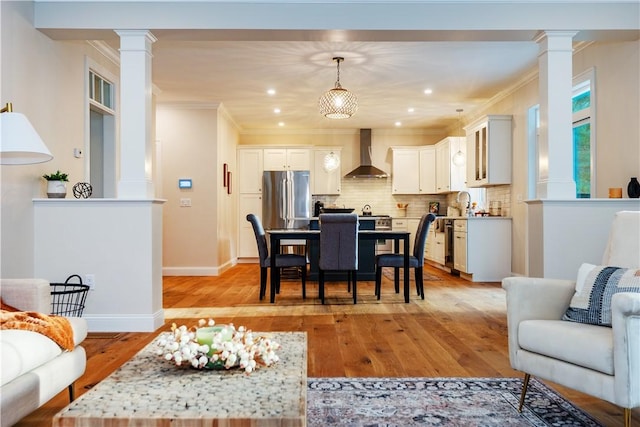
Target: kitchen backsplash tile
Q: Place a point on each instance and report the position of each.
(377, 193)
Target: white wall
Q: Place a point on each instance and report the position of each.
(196, 140)
(45, 81)
(117, 241)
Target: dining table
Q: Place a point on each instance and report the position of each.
(276, 236)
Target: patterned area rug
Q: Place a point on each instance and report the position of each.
(468, 402)
(388, 273)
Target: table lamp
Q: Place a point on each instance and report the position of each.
(20, 144)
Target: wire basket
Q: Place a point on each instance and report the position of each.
(67, 299)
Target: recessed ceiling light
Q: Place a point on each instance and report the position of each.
(276, 110)
(398, 124)
(428, 91)
(411, 109)
(280, 124)
(271, 91)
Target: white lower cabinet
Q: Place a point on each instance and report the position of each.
(460, 245)
(482, 248)
(247, 246)
(435, 249)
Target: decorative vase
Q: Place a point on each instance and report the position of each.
(56, 189)
(633, 189)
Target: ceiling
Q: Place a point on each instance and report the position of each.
(232, 51)
(388, 78)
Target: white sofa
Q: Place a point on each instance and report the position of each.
(33, 367)
(598, 360)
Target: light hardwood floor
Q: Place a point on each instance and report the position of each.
(459, 330)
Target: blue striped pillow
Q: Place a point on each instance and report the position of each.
(591, 302)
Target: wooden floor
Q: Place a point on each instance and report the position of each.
(459, 330)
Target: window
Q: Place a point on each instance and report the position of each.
(583, 146)
(100, 90)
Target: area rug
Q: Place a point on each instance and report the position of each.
(464, 402)
(427, 277)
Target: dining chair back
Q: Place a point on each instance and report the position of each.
(338, 248)
(282, 260)
(416, 260)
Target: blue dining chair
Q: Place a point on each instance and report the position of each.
(338, 248)
(416, 260)
(282, 260)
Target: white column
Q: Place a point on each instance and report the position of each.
(555, 144)
(136, 144)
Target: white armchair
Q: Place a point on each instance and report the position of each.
(598, 360)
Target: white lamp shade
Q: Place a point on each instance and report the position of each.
(20, 144)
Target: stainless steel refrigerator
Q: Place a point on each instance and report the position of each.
(286, 199)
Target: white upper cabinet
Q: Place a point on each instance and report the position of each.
(406, 167)
(449, 177)
(489, 151)
(250, 170)
(323, 181)
(428, 170)
(414, 170)
(280, 159)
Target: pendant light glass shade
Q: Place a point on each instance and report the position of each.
(458, 159)
(338, 103)
(331, 162)
(20, 144)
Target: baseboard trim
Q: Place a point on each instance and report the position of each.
(125, 322)
(199, 271)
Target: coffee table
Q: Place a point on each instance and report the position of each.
(150, 391)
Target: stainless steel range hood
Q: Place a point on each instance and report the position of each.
(366, 170)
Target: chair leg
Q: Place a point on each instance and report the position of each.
(525, 384)
(627, 417)
(348, 281)
(355, 286)
(419, 282)
(396, 279)
(321, 285)
(378, 281)
(263, 282)
(72, 392)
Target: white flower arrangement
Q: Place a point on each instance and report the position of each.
(217, 347)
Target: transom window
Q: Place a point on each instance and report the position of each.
(100, 90)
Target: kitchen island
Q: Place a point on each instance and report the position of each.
(477, 248)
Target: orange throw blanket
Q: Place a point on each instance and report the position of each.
(57, 328)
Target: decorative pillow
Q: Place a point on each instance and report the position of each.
(595, 287)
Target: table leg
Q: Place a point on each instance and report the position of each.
(406, 269)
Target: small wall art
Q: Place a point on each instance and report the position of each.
(228, 182)
(225, 175)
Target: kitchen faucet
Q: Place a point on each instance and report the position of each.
(464, 209)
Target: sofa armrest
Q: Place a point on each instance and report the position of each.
(531, 298)
(27, 294)
(625, 321)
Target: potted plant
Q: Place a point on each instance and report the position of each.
(56, 185)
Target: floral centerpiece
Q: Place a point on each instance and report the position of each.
(211, 346)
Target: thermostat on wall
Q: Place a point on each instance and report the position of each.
(184, 183)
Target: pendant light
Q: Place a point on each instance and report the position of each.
(338, 103)
(458, 159)
(331, 162)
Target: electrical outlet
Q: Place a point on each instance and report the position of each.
(90, 280)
